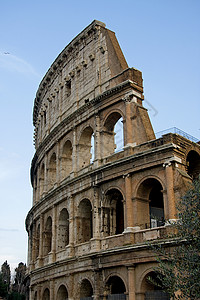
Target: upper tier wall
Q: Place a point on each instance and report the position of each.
(90, 65)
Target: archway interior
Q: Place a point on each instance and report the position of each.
(52, 170)
(62, 293)
(48, 236)
(66, 159)
(84, 221)
(150, 204)
(115, 286)
(156, 205)
(152, 287)
(113, 134)
(193, 164)
(86, 290)
(86, 147)
(46, 295)
(63, 229)
(113, 213)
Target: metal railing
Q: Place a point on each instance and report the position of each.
(177, 131)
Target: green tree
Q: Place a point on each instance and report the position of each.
(20, 272)
(3, 287)
(179, 265)
(5, 271)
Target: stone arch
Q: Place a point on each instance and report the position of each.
(86, 290)
(113, 212)
(66, 159)
(151, 287)
(115, 286)
(85, 147)
(52, 170)
(113, 133)
(84, 221)
(41, 179)
(37, 241)
(62, 293)
(47, 236)
(63, 229)
(46, 294)
(150, 203)
(193, 164)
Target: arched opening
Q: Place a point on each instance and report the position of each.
(63, 229)
(62, 293)
(66, 159)
(113, 134)
(86, 290)
(37, 241)
(150, 204)
(41, 178)
(48, 236)
(116, 288)
(151, 288)
(52, 170)
(113, 213)
(84, 221)
(193, 164)
(86, 147)
(46, 295)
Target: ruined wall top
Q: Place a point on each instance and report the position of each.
(81, 72)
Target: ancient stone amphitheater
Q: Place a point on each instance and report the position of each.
(97, 202)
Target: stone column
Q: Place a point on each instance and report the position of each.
(74, 154)
(171, 210)
(131, 282)
(52, 290)
(71, 225)
(95, 212)
(45, 175)
(97, 140)
(41, 239)
(128, 131)
(58, 169)
(54, 233)
(129, 202)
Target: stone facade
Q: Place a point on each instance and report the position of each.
(94, 211)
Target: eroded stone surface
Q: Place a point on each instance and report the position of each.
(94, 211)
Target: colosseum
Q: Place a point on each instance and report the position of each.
(104, 186)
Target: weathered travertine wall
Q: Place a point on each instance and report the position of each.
(94, 211)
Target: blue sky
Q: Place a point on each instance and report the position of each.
(159, 37)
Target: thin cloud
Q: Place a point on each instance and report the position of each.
(9, 229)
(13, 63)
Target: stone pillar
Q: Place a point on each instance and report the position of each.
(52, 290)
(54, 234)
(45, 175)
(171, 210)
(58, 169)
(41, 239)
(37, 196)
(128, 132)
(129, 202)
(97, 140)
(71, 225)
(74, 154)
(131, 282)
(96, 230)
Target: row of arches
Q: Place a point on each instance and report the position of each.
(115, 288)
(113, 141)
(111, 218)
